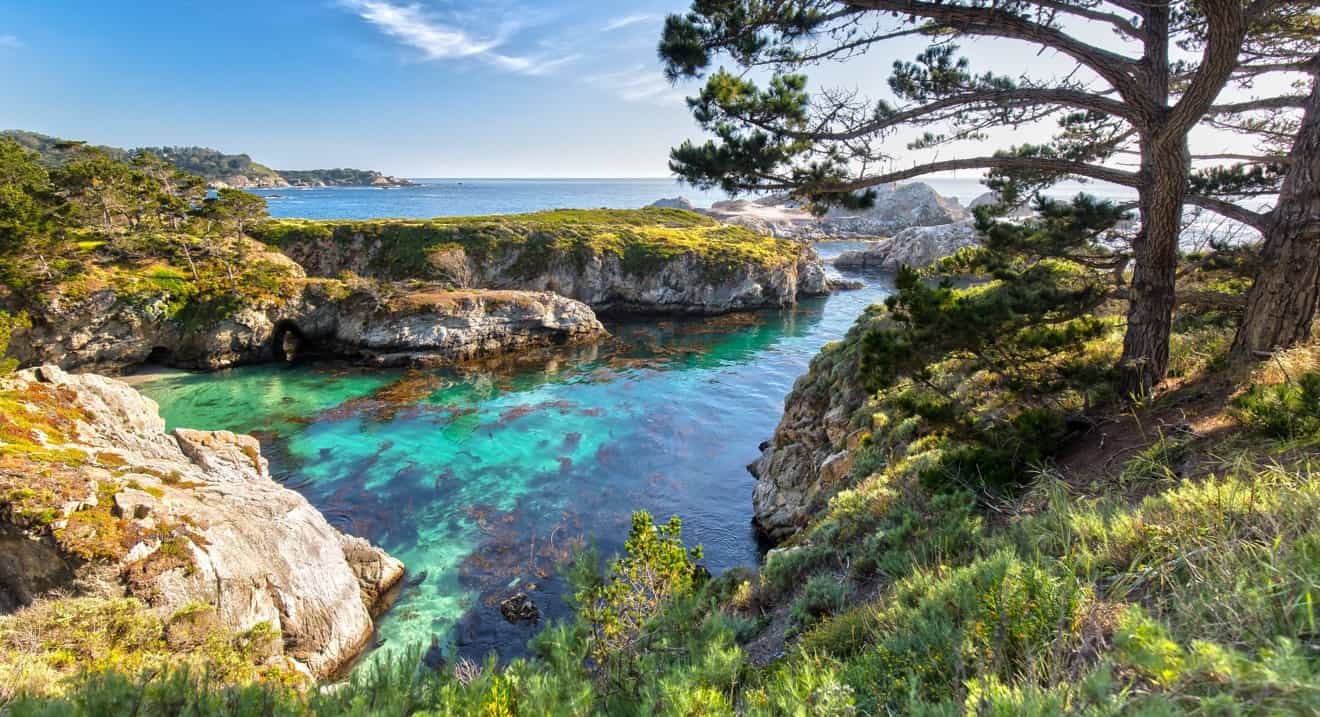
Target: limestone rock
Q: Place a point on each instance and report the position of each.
(248, 549)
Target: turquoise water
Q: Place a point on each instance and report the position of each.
(482, 480)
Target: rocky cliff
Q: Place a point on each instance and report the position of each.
(97, 499)
(647, 261)
(811, 451)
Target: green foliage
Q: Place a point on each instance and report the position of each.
(10, 323)
(821, 597)
(1289, 410)
(656, 570)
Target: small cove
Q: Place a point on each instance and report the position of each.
(482, 479)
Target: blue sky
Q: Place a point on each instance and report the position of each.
(476, 88)
(480, 88)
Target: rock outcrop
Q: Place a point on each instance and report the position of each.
(390, 325)
(442, 326)
(811, 449)
(897, 207)
(917, 247)
(673, 203)
(97, 499)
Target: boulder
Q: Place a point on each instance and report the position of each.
(202, 528)
(673, 203)
(1021, 211)
(439, 326)
(917, 247)
(896, 208)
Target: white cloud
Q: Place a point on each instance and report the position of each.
(10, 41)
(619, 23)
(438, 40)
(639, 84)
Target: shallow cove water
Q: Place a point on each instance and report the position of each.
(483, 479)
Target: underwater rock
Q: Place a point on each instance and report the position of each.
(520, 608)
(193, 518)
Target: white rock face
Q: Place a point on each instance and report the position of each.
(684, 284)
(896, 208)
(917, 247)
(255, 551)
(673, 203)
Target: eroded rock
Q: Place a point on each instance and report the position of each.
(196, 526)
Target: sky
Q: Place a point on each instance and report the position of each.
(417, 88)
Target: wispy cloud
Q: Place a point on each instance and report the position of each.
(10, 41)
(619, 23)
(639, 84)
(441, 40)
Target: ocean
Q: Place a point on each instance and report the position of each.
(468, 197)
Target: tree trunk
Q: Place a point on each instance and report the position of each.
(1155, 250)
(1165, 163)
(1282, 302)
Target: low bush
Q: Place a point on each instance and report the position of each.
(1288, 410)
(821, 597)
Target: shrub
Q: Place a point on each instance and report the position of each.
(822, 596)
(1287, 410)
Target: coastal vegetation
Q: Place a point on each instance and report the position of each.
(142, 228)
(642, 240)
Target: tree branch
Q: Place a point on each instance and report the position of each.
(1264, 103)
(1004, 99)
(994, 22)
(1119, 22)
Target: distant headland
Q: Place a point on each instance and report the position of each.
(220, 170)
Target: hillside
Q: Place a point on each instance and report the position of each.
(218, 169)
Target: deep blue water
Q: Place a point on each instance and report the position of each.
(482, 479)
